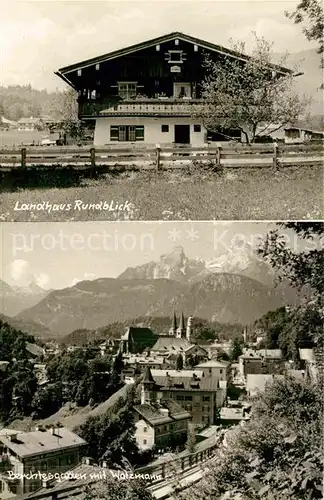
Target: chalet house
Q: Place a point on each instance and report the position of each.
(159, 423)
(147, 92)
(26, 454)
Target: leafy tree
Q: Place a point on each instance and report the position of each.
(310, 13)
(66, 107)
(277, 455)
(24, 386)
(236, 349)
(111, 436)
(179, 362)
(47, 400)
(116, 489)
(250, 95)
(299, 258)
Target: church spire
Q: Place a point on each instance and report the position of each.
(173, 329)
(181, 331)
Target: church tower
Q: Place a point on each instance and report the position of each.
(181, 331)
(173, 328)
(188, 330)
(148, 388)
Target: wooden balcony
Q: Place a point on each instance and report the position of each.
(139, 107)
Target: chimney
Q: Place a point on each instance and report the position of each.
(12, 436)
(164, 411)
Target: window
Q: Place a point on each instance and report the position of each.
(175, 56)
(188, 398)
(206, 409)
(79, 72)
(129, 133)
(144, 441)
(181, 89)
(164, 128)
(206, 398)
(197, 128)
(145, 429)
(127, 90)
(188, 407)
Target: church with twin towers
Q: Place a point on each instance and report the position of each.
(183, 331)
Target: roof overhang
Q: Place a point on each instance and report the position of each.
(62, 72)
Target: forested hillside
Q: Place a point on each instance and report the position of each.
(18, 101)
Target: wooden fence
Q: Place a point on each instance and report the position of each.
(159, 158)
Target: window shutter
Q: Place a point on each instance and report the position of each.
(114, 135)
(140, 132)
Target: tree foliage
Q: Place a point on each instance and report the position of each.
(111, 435)
(249, 94)
(83, 376)
(299, 258)
(277, 455)
(236, 349)
(310, 14)
(179, 362)
(18, 382)
(116, 489)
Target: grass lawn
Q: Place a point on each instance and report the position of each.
(233, 194)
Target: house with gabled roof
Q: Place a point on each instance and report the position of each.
(147, 93)
(159, 422)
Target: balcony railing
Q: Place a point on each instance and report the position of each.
(166, 106)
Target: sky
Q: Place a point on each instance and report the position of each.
(59, 255)
(38, 38)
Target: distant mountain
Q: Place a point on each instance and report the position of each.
(173, 266)
(13, 300)
(93, 304)
(239, 259)
(27, 326)
(225, 298)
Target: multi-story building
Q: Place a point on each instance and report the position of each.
(148, 92)
(262, 361)
(159, 422)
(196, 392)
(26, 455)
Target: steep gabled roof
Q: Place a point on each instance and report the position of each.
(62, 72)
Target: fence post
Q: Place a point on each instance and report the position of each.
(158, 156)
(275, 162)
(93, 158)
(218, 155)
(23, 157)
